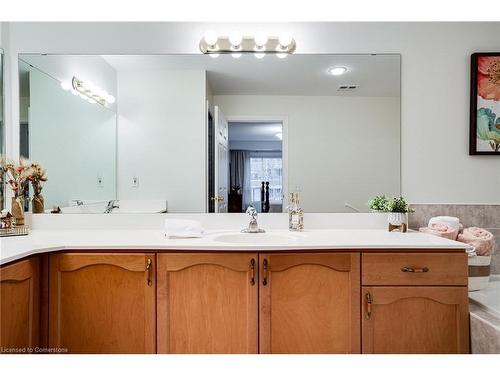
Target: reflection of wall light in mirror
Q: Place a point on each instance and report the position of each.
(337, 70)
(236, 55)
(66, 85)
(281, 55)
(259, 55)
(89, 92)
(279, 136)
(214, 55)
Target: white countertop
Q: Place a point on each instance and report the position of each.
(43, 240)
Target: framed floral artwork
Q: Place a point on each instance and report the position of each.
(485, 104)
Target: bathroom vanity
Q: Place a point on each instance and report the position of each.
(320, 291)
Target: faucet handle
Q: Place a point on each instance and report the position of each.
(252, 212)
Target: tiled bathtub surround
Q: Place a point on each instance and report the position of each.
(483, 216)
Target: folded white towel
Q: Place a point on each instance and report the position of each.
(452, 222)
(177, 228)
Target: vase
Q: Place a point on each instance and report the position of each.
(398, 221)
(37, 204)
(18, 211)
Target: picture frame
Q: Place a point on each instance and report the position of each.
(484, 136)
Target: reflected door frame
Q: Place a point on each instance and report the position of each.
(284, 145)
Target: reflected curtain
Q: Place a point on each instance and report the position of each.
(240, 174)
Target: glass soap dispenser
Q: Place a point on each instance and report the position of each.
(295, 214)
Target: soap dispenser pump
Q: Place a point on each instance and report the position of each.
(295, 214)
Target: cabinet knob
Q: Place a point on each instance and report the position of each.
(252, 271)
(264, 273)
(149, 263)
(368, 308)
(415, 269)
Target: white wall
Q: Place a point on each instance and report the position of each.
(340, 149)
(74, 140)
(436, 167)
(161, 137)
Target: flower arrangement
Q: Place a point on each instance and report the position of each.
(37, 177)
(379, 203)
(17, 176)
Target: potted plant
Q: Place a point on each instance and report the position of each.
(398, 214)
(378, 204)
(37, 177)
(17, 177)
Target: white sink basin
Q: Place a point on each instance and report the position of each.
(255, 238)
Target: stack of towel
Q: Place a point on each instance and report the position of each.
(443, 226)
(482, 240)
(449, 227)
(177, 228)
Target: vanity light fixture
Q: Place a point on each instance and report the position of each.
(281, 46)
(337, 70)
(88, 91)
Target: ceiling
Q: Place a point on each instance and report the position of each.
(376, 75)
(254, 131)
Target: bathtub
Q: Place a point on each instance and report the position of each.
(485, 318)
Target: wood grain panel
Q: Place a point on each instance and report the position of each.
(102, 303)
(443, 269)
(310, 303)
(20, 305)
(416, 320)
(207, 303)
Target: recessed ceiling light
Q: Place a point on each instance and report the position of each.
(337, 70)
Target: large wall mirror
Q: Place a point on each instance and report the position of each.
(205, 134)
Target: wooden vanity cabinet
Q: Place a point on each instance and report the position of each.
(20, 305)
(309, 303)
(102, 303)
(416, 303)
(207, 303)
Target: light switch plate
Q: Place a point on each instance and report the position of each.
(135, 182)
(100, 182)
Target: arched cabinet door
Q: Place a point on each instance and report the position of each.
(309, 303)
(20, 305)
(207, 303)
(415, 320)
(102, 303)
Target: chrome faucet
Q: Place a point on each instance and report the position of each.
(253, 227)
(112, 204)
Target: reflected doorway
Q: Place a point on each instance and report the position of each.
(256, 165)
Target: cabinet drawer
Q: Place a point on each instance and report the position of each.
(415, 269)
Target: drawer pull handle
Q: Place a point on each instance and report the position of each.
(264, 267)
(252, 270)
(415, 269)
(369, 301)
(148, 269)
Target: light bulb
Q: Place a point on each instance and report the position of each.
(281, 55)
(236, 55)
(337, 71)
(235, 38)
(211, 38)
(260, 40)
(66, 85)
(285, 39)
(259, 55)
